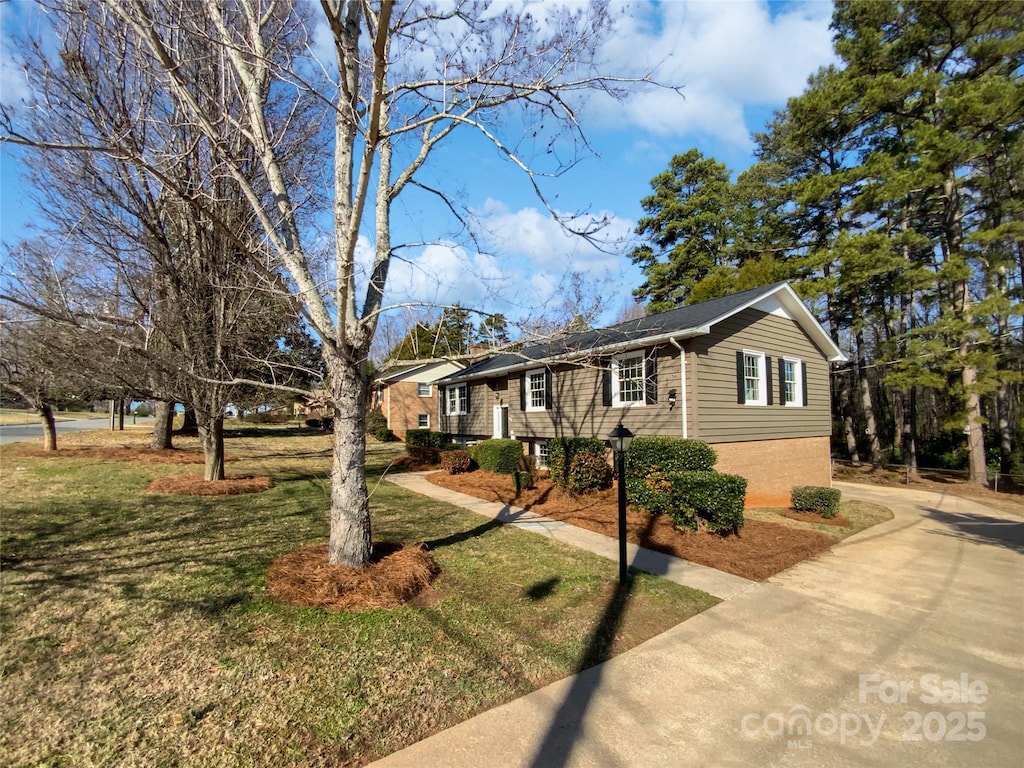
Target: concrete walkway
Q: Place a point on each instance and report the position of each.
(904, 645)
(718, 583)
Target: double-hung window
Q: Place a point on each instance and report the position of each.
(792, 381)
(536, 390)
(628, 380)
(457, 400)
(753, 384)
(423, 421)
(423, 390)
(542, 454)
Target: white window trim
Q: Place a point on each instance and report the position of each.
(541, 464)
(430, 389)
(419, 417)
(798, 394)
(529, 394)
(616, 362)
(453, 391)
(762, 379)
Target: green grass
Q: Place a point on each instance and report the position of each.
(137, 629)
(861, 515)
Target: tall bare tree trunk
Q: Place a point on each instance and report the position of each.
(45, 412)
(870, 428)
(350, 541)
(163, 427)
(189, 424)
(211, 437)
(846, 408)
(908, 441)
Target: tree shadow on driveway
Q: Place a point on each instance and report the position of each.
(981, 529)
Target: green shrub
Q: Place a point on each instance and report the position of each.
(660, 496)
(687, 497)
(499, 455)
(454, 462)
(384, 435)
(424, 445)
(588, 472)
(669, 455)
(561, 450)
(375, 421)
(523, 480)
(716, 498)
(814, 498)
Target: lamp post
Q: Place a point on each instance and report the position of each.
(620, 438)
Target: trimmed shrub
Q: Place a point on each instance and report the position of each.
(455, 462)
(588, 472)
(425, 445)
(660, 496)
(669, 455)
(561, 451)
(814, 498)
(687, 497)
(499, 455)
(385, 435)
(715, 497)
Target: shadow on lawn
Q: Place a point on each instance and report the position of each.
(214, 552)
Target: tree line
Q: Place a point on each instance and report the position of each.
(890, 193)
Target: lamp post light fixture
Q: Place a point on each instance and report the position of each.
(620, 438)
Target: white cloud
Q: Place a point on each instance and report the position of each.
(727, 56)
(536, 235)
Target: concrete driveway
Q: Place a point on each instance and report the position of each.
(902, 646)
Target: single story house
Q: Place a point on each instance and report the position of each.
(747, 373)
(404, 392)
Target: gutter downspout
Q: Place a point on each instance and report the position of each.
(682, 381)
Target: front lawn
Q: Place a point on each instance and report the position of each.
(137, 629)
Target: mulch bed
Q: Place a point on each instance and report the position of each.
(195, 485)
(761, 549)
(838, 521)
(396, 575)
(151, 455)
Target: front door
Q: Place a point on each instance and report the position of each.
(500, 421)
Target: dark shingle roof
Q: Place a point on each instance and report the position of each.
(674, 321)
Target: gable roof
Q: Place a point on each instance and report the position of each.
(679, 323)
(401, 369)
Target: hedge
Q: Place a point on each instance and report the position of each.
(425, 445)
(814, 498)
(499, 455)
(455, 462)
(668, 455)
(588, 472)
(687, 497)
(716, 498)
(561, 451)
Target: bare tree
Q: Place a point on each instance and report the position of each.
(406, 79)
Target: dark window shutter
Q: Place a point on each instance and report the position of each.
(468, 390)
(442, 407)
(651, 379)
(522, 392)
(782, 381)
(741, 389)
(606, 383)
(768, 388)
(547, 389)
(803, 381)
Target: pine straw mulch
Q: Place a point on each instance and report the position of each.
(195, 485)
(838, 521)
(761, 549)
(125, 453)
(396, 575)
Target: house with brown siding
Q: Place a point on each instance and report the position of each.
(407, 396)
(747, 373)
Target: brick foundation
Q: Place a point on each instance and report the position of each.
(774, 467)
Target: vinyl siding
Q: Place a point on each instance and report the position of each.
(720, 418)
(577, 408)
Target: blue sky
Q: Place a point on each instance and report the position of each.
(736, 60)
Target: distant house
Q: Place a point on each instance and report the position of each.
(747, 373)
(405, 393)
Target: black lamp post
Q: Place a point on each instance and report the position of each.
(620, 438)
